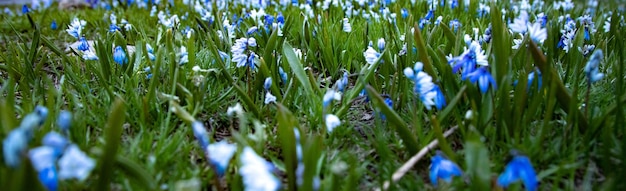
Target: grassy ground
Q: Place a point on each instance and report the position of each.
(134, 119)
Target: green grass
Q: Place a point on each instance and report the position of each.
(126, 122)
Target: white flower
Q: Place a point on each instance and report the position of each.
(371, 56)
(43, 157)
(517, 43)
(332, 121)
(607, 25)
(257, 172)
(381, 44)
(76, 27)
(127, 26)
(330, 96)
(237, 109)
(537, 33)
(346, 25)
(520, 24)
(75, 164)
(220, 154)
(89, 55)
(239, 51)
(183, 55)
(269, 98)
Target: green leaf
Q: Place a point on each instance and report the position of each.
(477, 163)
(113, 134)
(286, 125)
(297, 69)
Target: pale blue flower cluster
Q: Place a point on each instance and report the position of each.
(241, 53)
(592, 68)
(16, 143)
(56, 150)
(269, 98)
(522, 25)
(428, 92)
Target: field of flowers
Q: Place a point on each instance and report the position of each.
(313, 95)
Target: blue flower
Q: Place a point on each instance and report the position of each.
(454, 25)
(428, 91)
(429, 15)
(440, 100)
(200, 133)
(44, 159)
(468, 61)
(150, 52)
(484, 79)
(76, 27)
(48, 177)
(119, 56)
(268, 83)
(283, 75)
(25, 9)
(381, 44)
(342, 83)
(55, 141)
(113, 28)
(269, 98)
(53, 25)
(405, 13)
(454, 4)
(252, 30)
(531, 77)
(519, 168)
(280, 18)
(240, 53)
(14, 145)
(592, 68)
(389, 104)
(84, 45)
(443, 168)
